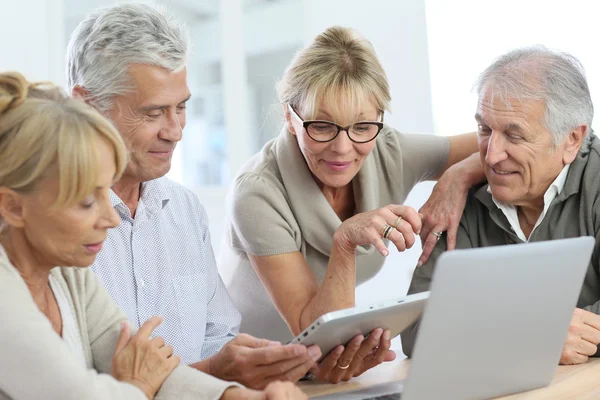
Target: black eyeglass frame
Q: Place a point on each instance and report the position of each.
(306, 124)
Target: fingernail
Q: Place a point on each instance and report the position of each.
(377, 336)
(314, 352)
(419, 264)
(386, 335)
(273, 344)
(385, 253)
(421, 215)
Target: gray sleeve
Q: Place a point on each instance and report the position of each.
(421, 280)
(418, 157)
(595, 262)
(260, 217)
(104, 322)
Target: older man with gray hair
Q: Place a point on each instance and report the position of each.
(542, 163)
(129, 61)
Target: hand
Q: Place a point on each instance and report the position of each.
(442, 212)
(273, 391)
(143, 361)
(367, 228)
(359, 355)
(583, 338)
(257, 362)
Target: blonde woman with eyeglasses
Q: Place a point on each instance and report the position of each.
(312, 214)
(62, 336)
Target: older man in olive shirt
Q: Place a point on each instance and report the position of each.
(542, 164)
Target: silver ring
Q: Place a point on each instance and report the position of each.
(437, 235)
(346, 367)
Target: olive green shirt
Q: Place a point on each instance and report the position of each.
(573, 212)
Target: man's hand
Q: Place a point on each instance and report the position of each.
(583, 338)
(257, 362)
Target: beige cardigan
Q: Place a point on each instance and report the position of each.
(276, 207)
(35, 363)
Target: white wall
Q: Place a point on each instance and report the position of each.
(466, 35)
(33, 39)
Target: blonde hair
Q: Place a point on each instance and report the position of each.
(340, 64)
(42, 130)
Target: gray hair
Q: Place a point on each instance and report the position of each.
(537, 73)
(108, 40)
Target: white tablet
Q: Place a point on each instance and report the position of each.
(339, 327)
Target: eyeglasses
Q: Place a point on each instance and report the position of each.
(326, 131)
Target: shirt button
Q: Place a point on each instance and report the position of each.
(142, 283)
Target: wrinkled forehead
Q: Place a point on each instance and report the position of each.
(497, 109)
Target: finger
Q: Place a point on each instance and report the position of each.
(586, 348)
(273, 354)
(377, 241)
(367, 347)
(410, 216)
(428, 223)
(397, 238)
(408, 235)
(326, 366)
(289, 370)
(124, 336)
(451, 235)
(149, 326)
(172, 363)
(246, 340)
(591, 319)
(571, 357)
(428, 246)
(157, 342)
(346, 358)
(591, 335)
(166, 351)
(384, 346)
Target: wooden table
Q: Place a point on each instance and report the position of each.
(571, 382)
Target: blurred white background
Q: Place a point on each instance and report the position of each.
(432, 51)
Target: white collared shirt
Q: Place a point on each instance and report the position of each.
(510, 211)
(161, 263)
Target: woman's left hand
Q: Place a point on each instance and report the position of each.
(443, 210)
(359, 355)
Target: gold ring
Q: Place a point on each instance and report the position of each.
(397, 222)
(346, 367)
(387, 229)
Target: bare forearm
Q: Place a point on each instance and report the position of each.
(461, 147)
(337, 290)
(467, 172)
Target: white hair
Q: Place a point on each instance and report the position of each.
(108, 40)
(537, 73)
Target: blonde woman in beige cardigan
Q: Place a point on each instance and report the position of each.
(62, 336)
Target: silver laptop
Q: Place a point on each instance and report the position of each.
(495, 322)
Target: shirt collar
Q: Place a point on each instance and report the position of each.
(153, 194)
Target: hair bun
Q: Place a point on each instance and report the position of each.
(13, 90)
